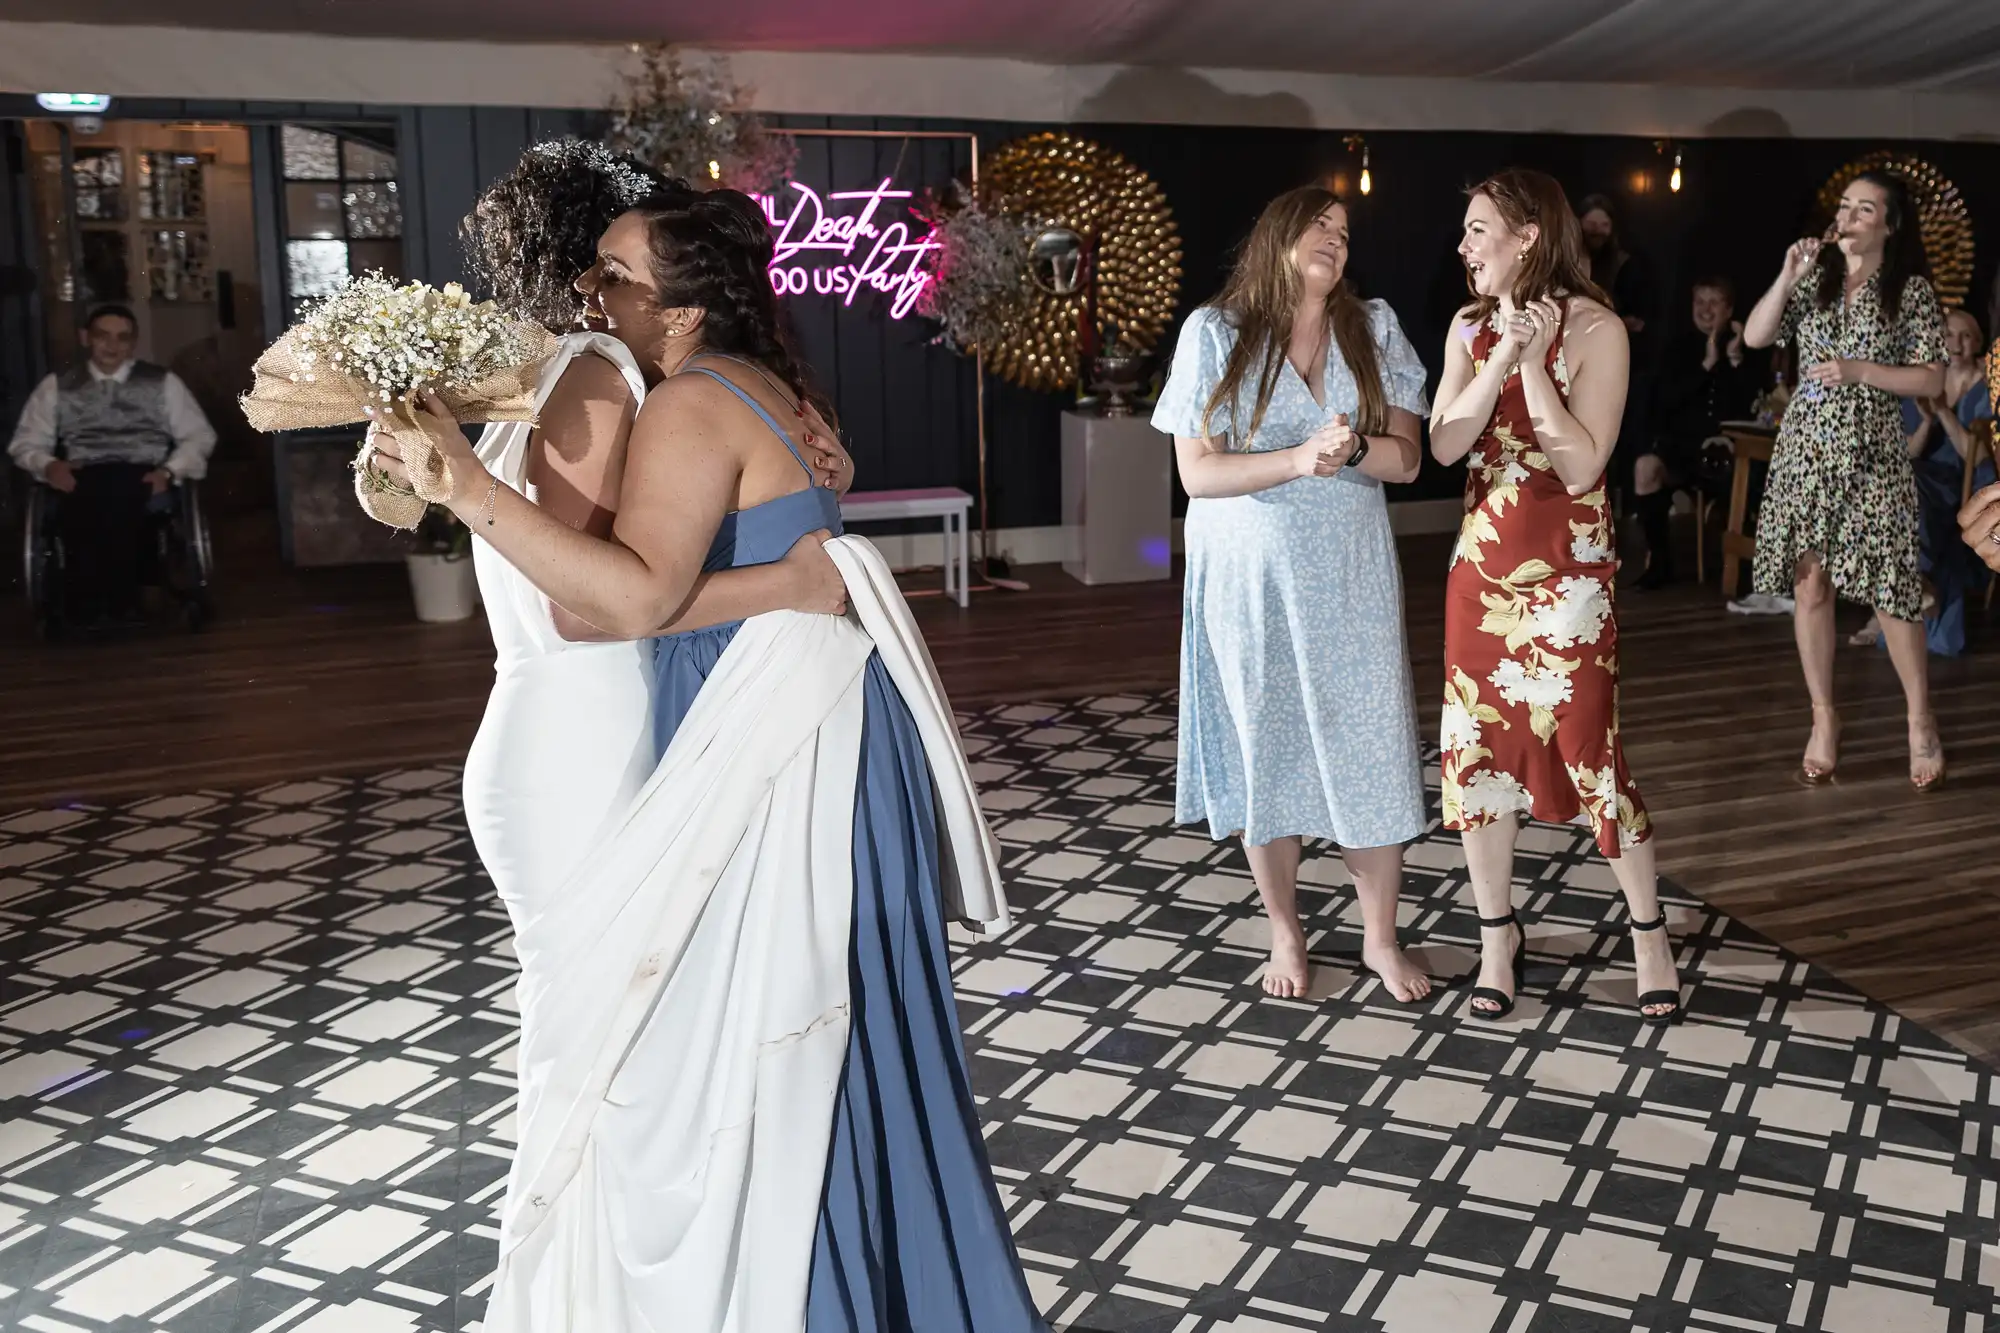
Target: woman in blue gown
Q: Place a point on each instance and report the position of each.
(1940, 441)
(910, 1234)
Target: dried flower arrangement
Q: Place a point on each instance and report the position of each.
(685, 114)
(978, 272)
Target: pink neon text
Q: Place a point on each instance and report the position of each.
(817, 240)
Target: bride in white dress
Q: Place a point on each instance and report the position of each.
(567, 737)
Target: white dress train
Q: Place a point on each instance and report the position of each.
(711, 929)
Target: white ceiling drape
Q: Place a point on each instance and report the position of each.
(1810, 68)
(1772, 44)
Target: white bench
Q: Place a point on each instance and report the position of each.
(945, 502)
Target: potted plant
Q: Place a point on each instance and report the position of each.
(441, 578)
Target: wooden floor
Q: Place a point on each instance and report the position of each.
(312, 673)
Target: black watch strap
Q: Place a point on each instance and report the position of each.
(1360, 451)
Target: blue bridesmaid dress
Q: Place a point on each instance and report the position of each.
(911, 1235)
(1954, 571)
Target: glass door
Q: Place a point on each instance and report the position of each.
(339, 214)
(160, 218)
(156, 217)
(343, 209)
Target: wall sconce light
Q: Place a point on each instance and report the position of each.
(1664, 146)
(1356, 142)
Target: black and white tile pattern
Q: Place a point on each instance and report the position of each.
(255, 1055)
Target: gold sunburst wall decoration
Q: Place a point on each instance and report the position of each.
(1057, 183)
(1942, 217)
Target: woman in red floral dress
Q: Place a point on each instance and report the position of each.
(1533, 387)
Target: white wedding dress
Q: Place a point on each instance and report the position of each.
(685, 932)
(567, 739)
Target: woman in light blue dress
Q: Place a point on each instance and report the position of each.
(1290, 402)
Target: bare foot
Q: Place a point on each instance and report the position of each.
(1868, 635)
(1287, 974)
(1823, 748)
(1403, 978)
(1926, 753)
(1655, 955)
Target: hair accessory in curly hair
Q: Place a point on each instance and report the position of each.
(535, 230)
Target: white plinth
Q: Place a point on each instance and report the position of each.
(1117, 500)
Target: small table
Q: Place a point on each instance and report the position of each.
(945, 502)
(1753, 444)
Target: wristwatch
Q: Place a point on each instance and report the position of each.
(1360, 451)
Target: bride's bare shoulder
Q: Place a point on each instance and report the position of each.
(593, 376)
(590, 406)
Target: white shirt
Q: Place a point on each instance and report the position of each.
(34, 444)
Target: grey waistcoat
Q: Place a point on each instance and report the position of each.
(103, 421)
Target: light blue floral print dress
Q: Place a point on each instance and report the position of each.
(1297, 716)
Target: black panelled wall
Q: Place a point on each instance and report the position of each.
(1742, 202)
(908, 407)
(21, 345)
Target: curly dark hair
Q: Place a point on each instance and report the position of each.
(1903, 256)
(711, 251)
(535, 230)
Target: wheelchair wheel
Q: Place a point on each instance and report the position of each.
(188, 558)
(41, 564)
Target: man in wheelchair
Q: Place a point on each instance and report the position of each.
(111, 438)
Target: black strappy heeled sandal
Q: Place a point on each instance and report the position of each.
(1672, 997)
(1503, 1002)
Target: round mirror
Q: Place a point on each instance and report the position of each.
(1056, 261)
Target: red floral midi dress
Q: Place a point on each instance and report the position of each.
(1531, 639)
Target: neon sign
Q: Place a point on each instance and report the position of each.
(819, 238)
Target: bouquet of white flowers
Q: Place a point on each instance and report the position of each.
(366, 354)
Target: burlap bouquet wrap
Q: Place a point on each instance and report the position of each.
(288, 395)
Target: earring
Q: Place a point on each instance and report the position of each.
(1524, 252)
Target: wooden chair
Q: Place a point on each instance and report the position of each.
(1701, 508)
(1753, 445)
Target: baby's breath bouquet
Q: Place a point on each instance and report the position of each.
(366, 353)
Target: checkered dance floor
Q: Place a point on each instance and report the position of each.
(255, 1076)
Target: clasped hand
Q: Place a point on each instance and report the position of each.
(462, 465)
(1979, 521)
(1327, 449)
(1527, 334)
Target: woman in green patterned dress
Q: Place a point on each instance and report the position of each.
(1839, 517)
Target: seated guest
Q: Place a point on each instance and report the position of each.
(1705, 379)
(110, 435)
(1627, 276)
(1939, 432)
